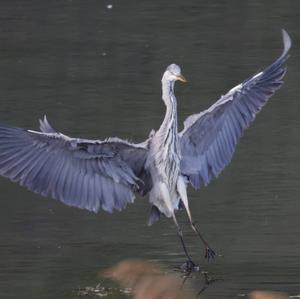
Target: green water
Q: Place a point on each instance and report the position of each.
(96, 73)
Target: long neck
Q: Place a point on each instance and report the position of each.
(165, 142)
(168, 133)
(170, 120)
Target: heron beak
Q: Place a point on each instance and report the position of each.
(181, 78)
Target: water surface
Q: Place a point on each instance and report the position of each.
(96, 73)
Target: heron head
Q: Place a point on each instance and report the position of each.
(173, 73)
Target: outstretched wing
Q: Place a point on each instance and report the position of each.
(209, 138)
(88, 174)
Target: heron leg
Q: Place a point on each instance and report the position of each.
(180, 234)
(209, 252)
(189, 266)
(181, 187)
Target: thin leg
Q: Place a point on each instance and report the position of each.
(209, 252)
(181, 187)
(179, 232)
(189, 266)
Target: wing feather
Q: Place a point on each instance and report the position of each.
(88, 174)
(209, 138)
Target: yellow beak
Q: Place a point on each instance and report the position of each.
(181, 78)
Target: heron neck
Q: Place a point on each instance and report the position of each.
(168, 96)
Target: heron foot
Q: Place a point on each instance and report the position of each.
(209, 253)
(189, 266)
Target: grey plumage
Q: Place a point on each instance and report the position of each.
(87, 174)
(95, 174)
(209, 138)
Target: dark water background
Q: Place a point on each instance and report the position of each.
(96, 72)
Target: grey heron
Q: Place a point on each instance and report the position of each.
(107, 174)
